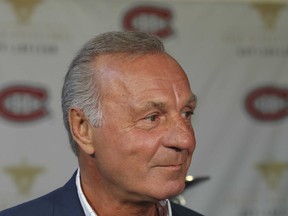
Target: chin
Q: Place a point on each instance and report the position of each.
(171, 190)
(177, 190)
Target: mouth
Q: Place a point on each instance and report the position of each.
(171, 166)
(178, 162)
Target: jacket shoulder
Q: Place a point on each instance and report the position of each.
(40, 206)
(63, 201)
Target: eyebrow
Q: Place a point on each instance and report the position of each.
(161, 105)
(153, 104)
(192, 99)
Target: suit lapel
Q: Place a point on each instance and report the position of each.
(178, 210)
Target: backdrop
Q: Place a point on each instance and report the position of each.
(236, 56)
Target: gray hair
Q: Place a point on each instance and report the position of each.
(81, 90)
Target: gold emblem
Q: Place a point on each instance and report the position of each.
(23, 175)
(272, 172)
(269, 12)
(23, 9)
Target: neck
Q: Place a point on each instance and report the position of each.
(125, 210)
(106, 202)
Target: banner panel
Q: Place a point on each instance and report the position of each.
(235, 55)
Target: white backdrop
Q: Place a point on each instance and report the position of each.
(236, 56)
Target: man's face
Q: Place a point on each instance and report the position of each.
(144, 148)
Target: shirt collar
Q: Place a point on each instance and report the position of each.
(85, 205)
(164, 206)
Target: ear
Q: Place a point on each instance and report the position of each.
(81, 130)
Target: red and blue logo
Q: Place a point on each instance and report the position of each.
(151, 19)
(267, 103)
(23, 103)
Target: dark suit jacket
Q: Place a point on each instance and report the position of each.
(65, 202)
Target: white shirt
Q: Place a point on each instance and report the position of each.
(90, 212)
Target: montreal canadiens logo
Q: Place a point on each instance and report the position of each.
(23, 103)
(150, 19)
(268, 103)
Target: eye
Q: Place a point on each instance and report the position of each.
(152, 117)
(150, 121)
(188, 114)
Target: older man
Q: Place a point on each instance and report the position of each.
(127, 107)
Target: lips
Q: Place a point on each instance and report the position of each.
(175, 160)
(171, 165)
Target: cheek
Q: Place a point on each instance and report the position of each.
(127, 146)
(138, 149)
(126, 156)
(122, 143)
(144, 142)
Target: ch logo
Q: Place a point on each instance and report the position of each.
(267, 103)
(23, 9)
(150, 19)
(23, 103)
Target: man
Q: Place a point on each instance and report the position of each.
(127, 107)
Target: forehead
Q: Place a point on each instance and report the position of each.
(141, 75)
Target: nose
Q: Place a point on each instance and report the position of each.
(180, 136)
